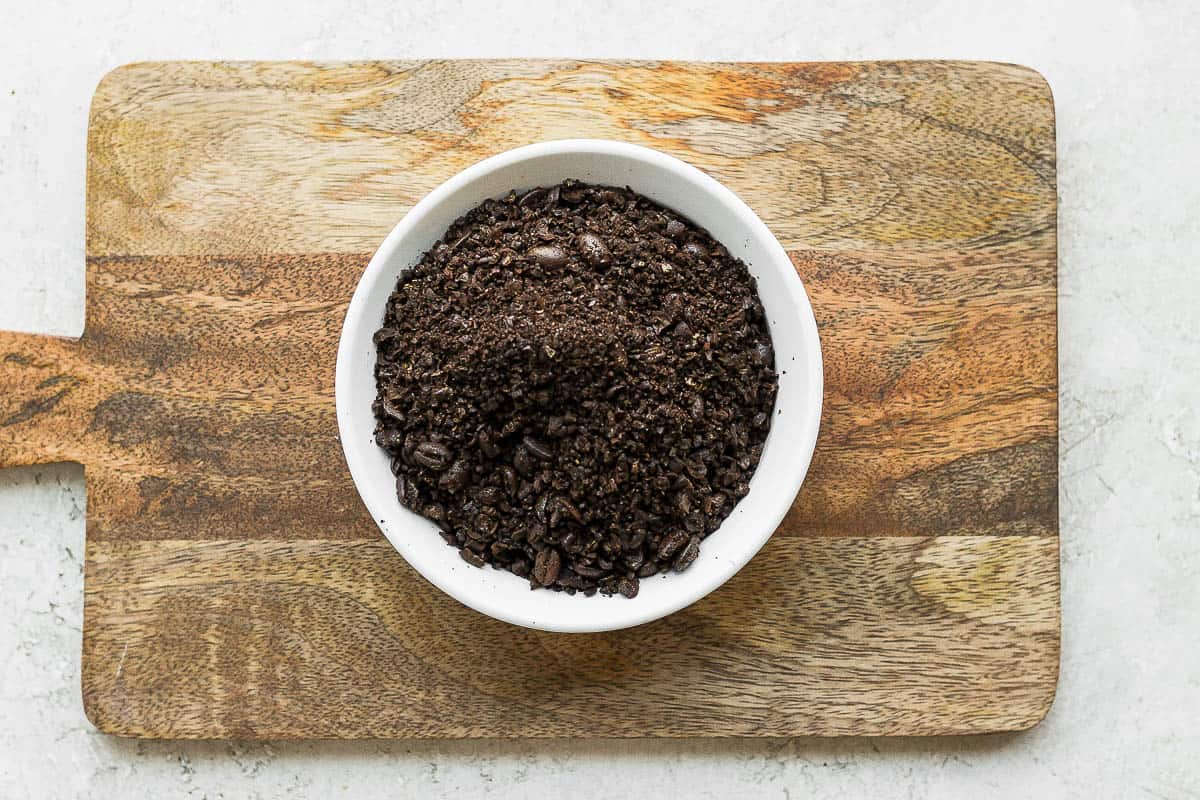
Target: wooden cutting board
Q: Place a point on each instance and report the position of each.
(235, 586)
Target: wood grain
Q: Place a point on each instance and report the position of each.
(236, 587)
(302, 638)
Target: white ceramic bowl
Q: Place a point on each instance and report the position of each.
(788, 448)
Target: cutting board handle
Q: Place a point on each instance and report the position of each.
(44, 411)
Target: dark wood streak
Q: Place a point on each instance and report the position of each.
(916, 439)
(38, 405)
(31, 408)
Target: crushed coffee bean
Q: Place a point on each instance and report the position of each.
(575, 384)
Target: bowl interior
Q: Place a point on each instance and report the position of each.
(788, 447)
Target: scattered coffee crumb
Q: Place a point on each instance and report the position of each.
(575, 384)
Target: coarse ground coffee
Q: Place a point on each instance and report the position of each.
(575, 384)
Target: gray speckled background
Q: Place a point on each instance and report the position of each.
(1124, 76)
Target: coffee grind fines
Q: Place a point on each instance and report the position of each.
(575, 384)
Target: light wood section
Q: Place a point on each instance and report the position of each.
(315, 638)
(257, 158)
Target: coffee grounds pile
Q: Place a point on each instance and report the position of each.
(575, 384)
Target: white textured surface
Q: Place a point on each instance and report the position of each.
(1124, 76)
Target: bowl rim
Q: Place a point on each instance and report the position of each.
(801, 450)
